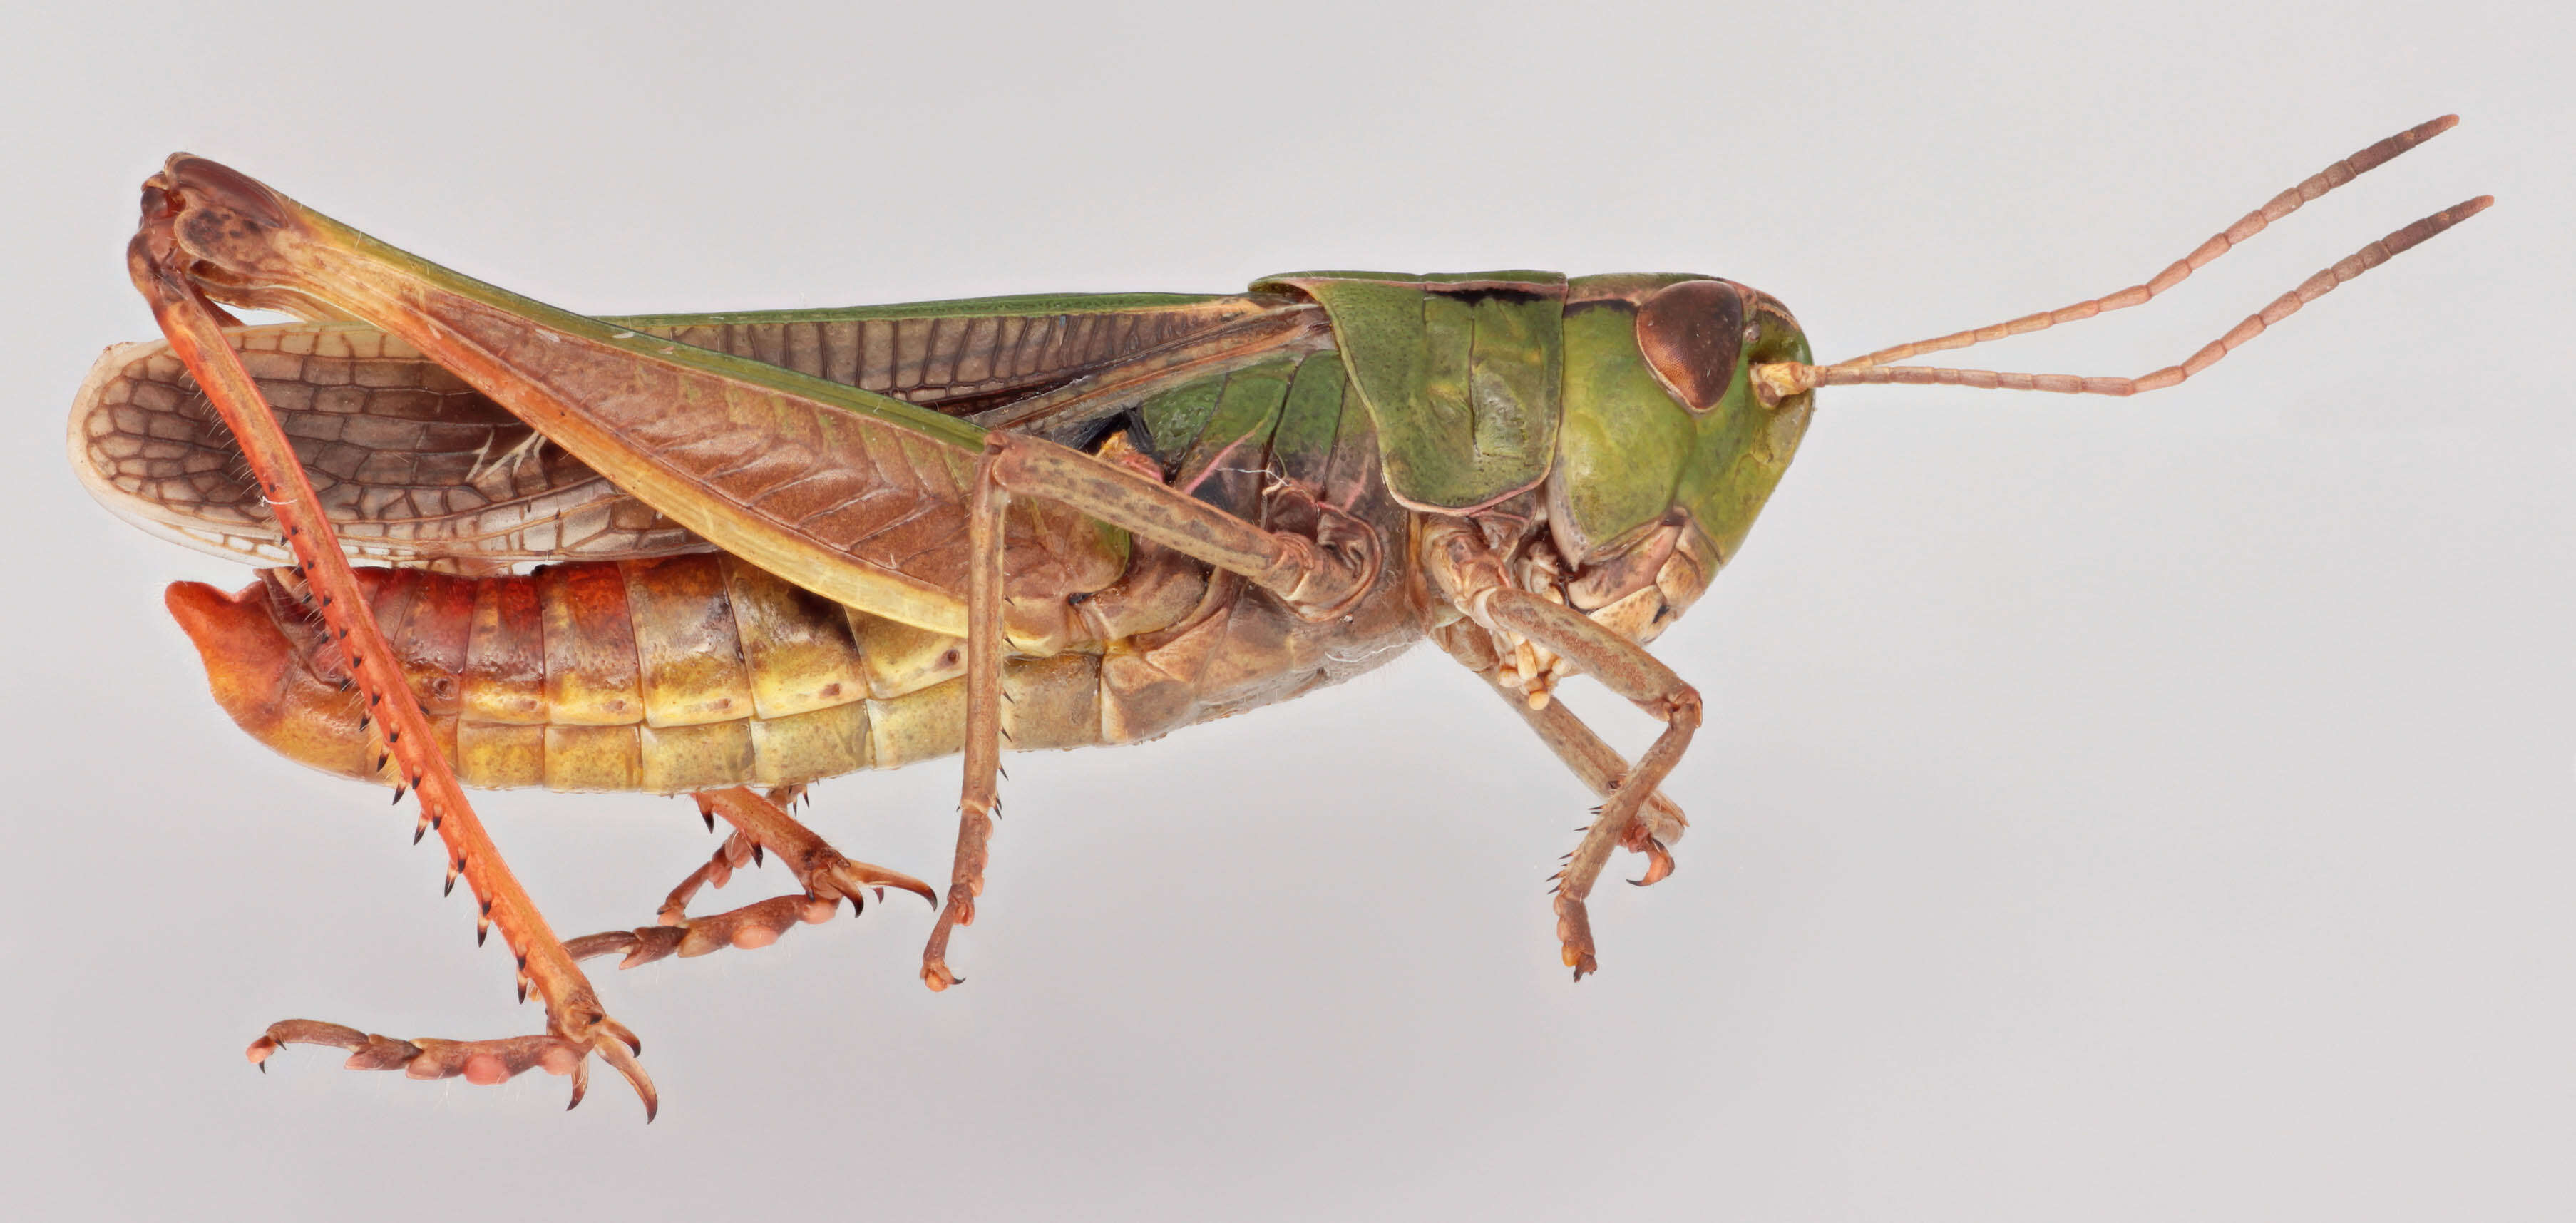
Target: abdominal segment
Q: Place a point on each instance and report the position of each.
(671, 675)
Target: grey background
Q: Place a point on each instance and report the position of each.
(2148, 809)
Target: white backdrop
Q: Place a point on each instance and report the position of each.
(2108, 810)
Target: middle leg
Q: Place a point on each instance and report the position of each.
(979, 797)
(1317, 577)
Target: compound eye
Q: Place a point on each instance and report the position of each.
(1691, 334)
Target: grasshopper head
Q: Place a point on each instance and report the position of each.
(1667, 452)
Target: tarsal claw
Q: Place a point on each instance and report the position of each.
(1659, 864)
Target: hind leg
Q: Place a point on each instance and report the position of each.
(761, 827)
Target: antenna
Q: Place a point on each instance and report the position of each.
(1779, 380)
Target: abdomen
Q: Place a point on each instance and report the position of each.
(699, 672)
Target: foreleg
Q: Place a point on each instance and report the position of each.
(1476, 583)
(1658, 823)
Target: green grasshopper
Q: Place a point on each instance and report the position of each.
(778, 547)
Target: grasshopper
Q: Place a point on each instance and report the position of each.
(773, 548)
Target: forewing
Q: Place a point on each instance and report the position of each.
(417, 468)
(413, 466)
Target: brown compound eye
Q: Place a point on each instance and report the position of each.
(1690, 334)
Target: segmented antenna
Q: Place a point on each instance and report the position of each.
(1779, 380)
